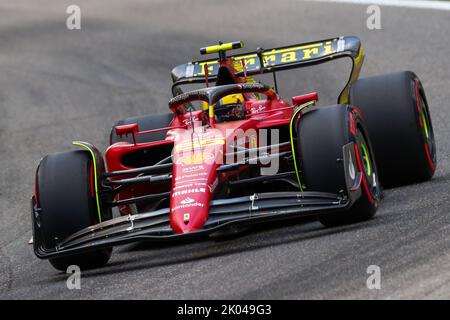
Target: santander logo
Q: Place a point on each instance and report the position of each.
(187, 201)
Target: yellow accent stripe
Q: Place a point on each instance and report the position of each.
(297, 111)
(425, 125)
(367, 158)
(81, 144)
(357, 64)
(223, 47)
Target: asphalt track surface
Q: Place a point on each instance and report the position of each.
(58, 85)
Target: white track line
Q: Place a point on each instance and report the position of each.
(418, 4)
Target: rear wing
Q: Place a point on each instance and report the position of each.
(277, 59)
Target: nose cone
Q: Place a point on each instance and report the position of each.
(189, 207)
(194, 172)
(191, 194)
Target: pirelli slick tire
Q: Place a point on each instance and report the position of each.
(322, 134)
(148, 122)
(66, 197)
(395, 110)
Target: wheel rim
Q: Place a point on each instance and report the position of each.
(366, 158)
(367, 164)
(425, 126)
(427, 129)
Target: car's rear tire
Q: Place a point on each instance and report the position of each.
(321, 135)
(395, 110)
(148, 122)
(68, 204)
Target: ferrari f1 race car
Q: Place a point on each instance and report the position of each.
(232, 152)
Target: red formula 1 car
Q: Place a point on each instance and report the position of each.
(234, 153)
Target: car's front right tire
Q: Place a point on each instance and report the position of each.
(321, 135)
(395, 110)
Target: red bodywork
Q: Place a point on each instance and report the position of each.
(198, 150)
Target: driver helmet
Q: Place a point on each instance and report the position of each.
(230, 108)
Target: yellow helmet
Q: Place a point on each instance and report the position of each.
(232, 98)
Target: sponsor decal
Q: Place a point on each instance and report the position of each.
(192, 175)
(188, 178)
(189, 184)
(257, 109)
(273, 57)
(194, 168)
(188, 191)
(189, 121)
(186, 217)
(196, 182)
(187, 200)
(190, 205)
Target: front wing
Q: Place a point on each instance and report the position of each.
(155, 225)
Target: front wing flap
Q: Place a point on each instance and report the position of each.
(155, 225)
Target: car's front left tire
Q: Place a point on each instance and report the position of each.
(66, 198)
